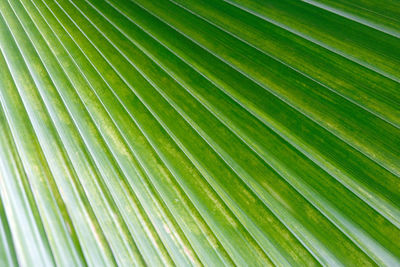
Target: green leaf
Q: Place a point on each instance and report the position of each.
(199, 132)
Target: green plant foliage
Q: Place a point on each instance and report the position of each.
(199, 132)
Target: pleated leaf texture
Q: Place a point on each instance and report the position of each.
(199, 133)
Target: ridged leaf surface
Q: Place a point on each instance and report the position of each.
(199, 132)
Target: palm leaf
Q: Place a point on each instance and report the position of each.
(199, 132)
